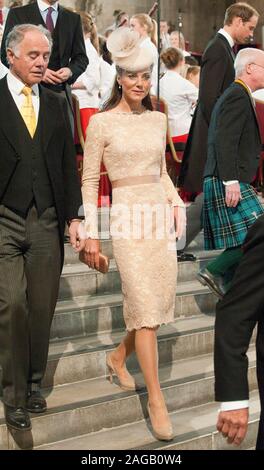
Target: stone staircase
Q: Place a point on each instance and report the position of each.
(85, 411)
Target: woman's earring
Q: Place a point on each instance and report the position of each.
(119, 87)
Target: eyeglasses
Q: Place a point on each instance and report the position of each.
(262, 66)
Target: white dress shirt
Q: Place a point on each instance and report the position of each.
(43, 8)
(89, 98)
(229, 38)
(180, 95)
(147, 43)
(15, 87)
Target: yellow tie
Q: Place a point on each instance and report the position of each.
(27, 111)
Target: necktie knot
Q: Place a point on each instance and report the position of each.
(27, 91)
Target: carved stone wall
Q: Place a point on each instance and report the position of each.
(201, 18)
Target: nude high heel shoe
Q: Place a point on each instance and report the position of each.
(162, 433)
(127, 383)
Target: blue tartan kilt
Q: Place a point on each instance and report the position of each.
(226, 227)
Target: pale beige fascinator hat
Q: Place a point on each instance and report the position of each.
(127, 53)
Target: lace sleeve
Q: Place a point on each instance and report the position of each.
(171, 192)
(93, 154)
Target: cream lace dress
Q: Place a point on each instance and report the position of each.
(134, 145)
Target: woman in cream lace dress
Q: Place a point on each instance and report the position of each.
(130, 140)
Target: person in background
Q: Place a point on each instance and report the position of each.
(164, 34)
(193, 75)
(122, 19)
(68, 58)
(217, 73)
(231, 205)
(179, 94)
(177, 40)
(86, 88)
(143, 24)
(107, 72)
(3, 13)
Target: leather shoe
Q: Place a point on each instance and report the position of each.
(182, 256)
(215, 283)
(36, 403)
(17, 418)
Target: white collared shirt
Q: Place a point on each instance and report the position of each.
(229, 38)
(180, 96)
(15, 87)
(43, 8)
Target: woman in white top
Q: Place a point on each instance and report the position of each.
(177, 40)
(86, 88)
(179, 93)
(144, 25)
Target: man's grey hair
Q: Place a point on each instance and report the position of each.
(17, 34)
(245, 57)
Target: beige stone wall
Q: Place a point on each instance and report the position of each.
(201, 18)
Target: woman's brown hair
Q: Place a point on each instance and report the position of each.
(171, 57)
(89, 26)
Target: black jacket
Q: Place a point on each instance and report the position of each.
(57, 148)
(71, 43)
(234, 143)
(217, 73)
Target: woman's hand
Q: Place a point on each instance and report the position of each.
(180, 221)
(91, 249)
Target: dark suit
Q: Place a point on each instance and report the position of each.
(69, 48)
(217, 73)
(236, 316)
(39, 190)
(234, 142)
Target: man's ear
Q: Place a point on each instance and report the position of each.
(10, 56)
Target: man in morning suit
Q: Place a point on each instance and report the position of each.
(68, 59)
(231, 205)
(217, 73)
(39, 191)
(242, 306)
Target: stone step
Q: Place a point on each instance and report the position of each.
(93, 405)
(78, 279)
(91, 314)
(194, 430)
(106, 247)
(83, 358)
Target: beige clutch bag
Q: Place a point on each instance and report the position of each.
(103, 261)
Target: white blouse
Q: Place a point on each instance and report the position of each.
(89, 97)
(181, 96)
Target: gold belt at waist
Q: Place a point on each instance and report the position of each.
(132, 180)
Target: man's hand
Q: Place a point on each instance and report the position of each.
(64, 74)
(77, 240)
(233, 194)
(55, 78)
(233, 425)
(51, 77)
